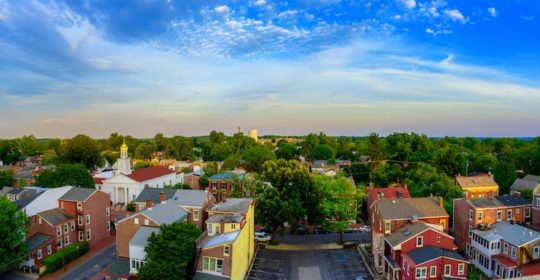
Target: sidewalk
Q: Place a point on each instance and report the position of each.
(94, 250)
(294, 247)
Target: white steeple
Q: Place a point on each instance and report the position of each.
(124, 162)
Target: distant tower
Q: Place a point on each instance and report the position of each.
(124, 162)
(254, 134)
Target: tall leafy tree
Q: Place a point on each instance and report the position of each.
(144, 151)
(255, 157)
(286, 150)
(13, 230)
(274, 209)
(322, 152)
(81, 149)
(66, 175)
(505, 174)
(6, 178)
(375, 150)
(170, 253)
(28, 145)
(181, 148)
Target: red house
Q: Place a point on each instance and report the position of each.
(92, 210)
(433, 263)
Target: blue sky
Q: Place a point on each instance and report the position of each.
(461, 68)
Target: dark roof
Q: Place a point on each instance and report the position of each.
(16, 191)
(524, 184)
(512, 200)
(21, 203)
(190, 197)
(406, 232)
(55, 216)
(483, 202)
(225, 218)
(407, 208)
(153, 194)
(120, 267)
(235, 205)
(229, 175)
(424, 254)
(148, 173)
(78, 194)
(476, 181)
(36, 240)
(205, 276)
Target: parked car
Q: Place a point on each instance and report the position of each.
(321, 230)
(365, 228)
(262, 236)
(301, 231)
(351, 230)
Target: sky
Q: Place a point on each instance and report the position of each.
(457, 68)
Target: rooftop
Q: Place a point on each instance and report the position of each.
(529, 182)
(216, 240)
(78, 194)
(235, 205)
(229, 175)
(406, 232)
(483, 180)
(408, 208)
(506, 261)
(512, 200)
(225, 218)
(424, 254)
(119, 268)
(55, 216)
(398, 192)
(46, 200)
(190, 197)
(530, 269)
(36, 240)
(148, 173)
(153, 194)
(484, 202)
(140, 238)
(166, 213)
(512, 233)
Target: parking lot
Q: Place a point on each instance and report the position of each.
(308, 265)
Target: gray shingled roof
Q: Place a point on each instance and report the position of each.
(235, 205)
(190, 197)
(225, 218)
(405, 233)
(21, 203)
(78, 194)
(36, 240)
(206, 276)
(424, 254)
(153, 194)
(140, 238)
(512, 233)
(166, 213)
(54, 216)
(6, 190)
(406, 208)
(512, 200)
(16, 191)
(521, 184)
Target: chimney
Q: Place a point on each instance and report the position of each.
(441, 204)
(146, 186)
(381, 195)
(162, 197)
(405, 186)
(465, 195)
(149, 203)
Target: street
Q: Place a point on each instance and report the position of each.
(322, 238)
(92, 266)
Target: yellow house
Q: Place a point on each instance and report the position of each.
(227, 247)
(478, 186)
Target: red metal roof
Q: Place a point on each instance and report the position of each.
(502, 259)
(388, 193)
(530, 269)
(148, 173)
(98, 181)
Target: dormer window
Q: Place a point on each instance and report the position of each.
(419, 241)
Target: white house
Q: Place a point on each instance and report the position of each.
(126, 184)
(46, 201)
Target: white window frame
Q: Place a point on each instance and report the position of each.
(449, 266)
(471, 216)
(210, 230)
(79, 206)
(421, 239)
(536, 252)
(66, 239)
(146, 222)
(538, 202)
(461, 269)
(513, 252)
(49, 249)
(81, 235)
(79, 220)
(66, 227)
(499, 215)
(527, 212)
(72, 226)
(87, 219)
(107, 211)
(438, 239)
(226, 250)
(39, 254)
(387, 227)
(433, 271)
(505, 248)
(88, 235)
(421, 272)
(509, 217)
(195, 215)
(58, 230)
(136, 221)
(517, 210)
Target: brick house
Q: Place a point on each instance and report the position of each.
(39, 246)
(504, 249)
(221, 185)
(391, 214)
(411, 237)
(536, 211)
(478, 186)
(92, 210)
(391, 192)
(473, 213)
(433, 263)
(154, 195)
(227, 248)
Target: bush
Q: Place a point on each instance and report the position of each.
(69, 253)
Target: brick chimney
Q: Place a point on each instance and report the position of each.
(162, 197)
(146, 186)
(441, 202)
(465, 195)
(149, 203)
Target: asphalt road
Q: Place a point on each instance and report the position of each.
(92, 266)
(12, 275)
(322, 238)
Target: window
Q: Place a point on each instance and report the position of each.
(387, 227)
(509, 214)
(212, 264)
(141, 208)
(39, 254)
(49, 249)
(470, 215)
(461, 269)
(79, 220)
(88, 219)
(505, 248)
(447, 269)
(233, 226)
(66, 240)
(66, 228)
(480, 216)
(88, 235)
(419, 241)
(72, 226)
(226, 250)
(499, 216)
(438, 239)
(210, 229)
(443, 223)
(146, 222)
(58, 231)
(468, 249)
(517, 210)
(538, 201)
(81, 236)
(527, 212)
(107, 211)
(79, 206)
(470, 231)
(433, 272)
(214, 185)
(39, 221)
(536, 252)
(136, 221)
(498, 270)
(59, 243)
(195, 215)
(421, 273)
(513, 252)
(108, 226)
(217, 229)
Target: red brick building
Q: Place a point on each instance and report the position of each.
(92, 210)
(536, 211)
(433, 263)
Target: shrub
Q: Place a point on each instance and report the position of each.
(69, 253)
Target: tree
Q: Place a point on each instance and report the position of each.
(9, 151)
(74, 175)
(210, 169)
(231, 162)
(170, 253)
(13, 230)
(286, 151)
(144, 151)
(505, 175)
(375, 150)
(322, 152)
(181, 148)
(6, 178)
(161, 142)
(359, 172)
(203, 181)
(81, 149)
(28, 145)
(339, 202)
(255, 157)
(181, 186)
(141, 164)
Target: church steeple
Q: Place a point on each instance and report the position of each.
(124, 150)
(124, 162)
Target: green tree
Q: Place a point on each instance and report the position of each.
(82, 149)
(210, 169)
(161, 142)
(203, 181)
(28, 145)
(21, 182)
(74, 175)
(141, 164)
(13, 231)
(359, 171)
(181, 148)
(286, 151)
(322, 152)
(170, 253)
(6, 178)
(255, 157)
(231, 162)
(375, 150)
(9, 151)
(505, 175)
(144, 151)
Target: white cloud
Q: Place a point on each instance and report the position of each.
(409, 3)
(222, 9)
(492, 12)
(526, 17)
(455, 15)
(430, 31)
(260, 3)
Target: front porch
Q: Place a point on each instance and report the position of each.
(391, 269)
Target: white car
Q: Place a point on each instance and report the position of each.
(262, 236)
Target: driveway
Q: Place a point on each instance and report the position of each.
(15, 275)
(92, 266)
(322, 238)
(343, 264)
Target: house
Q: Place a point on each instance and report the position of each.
(536, 211)
(155, 196)
(504, 249)
(44, 201)
(433, 263)
(192, 180)
(529, 182)
(137, 255)
(478, 186)
(92, 209)
(391, 214)
(39, 246)
(125, 184)
(374, 194)
(227, 248)
(411, 237)
(19, 193)
(474, 213)
(221, 185)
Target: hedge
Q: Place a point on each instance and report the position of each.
(69, 253)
